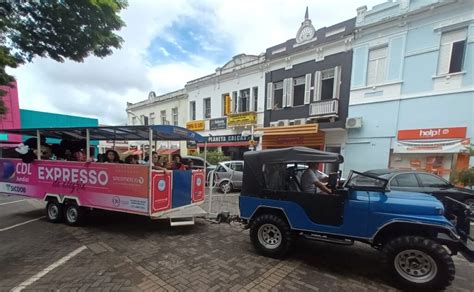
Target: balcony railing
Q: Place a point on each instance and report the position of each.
(329, 108)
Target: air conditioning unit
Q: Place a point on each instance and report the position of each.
(297, 122)
(273, 124)
(354, 123)
(282, 123)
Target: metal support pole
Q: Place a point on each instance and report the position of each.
(88, 145)
(150, 168)
(38, 145)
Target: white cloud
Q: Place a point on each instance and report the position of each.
(101, 87)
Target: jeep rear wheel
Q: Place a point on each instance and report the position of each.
(418, 263)
(271, 235)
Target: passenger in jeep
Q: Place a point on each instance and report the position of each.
(311, 180)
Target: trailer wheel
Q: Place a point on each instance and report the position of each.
(418, 263)
(271, 235)
(54, 212)
(74, 215)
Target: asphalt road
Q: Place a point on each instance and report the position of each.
(132, 253)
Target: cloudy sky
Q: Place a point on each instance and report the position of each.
(166, 44)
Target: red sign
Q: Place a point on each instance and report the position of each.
(434, 133)
(161, 192)
(197, 186)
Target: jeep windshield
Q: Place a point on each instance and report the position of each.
(365, 181)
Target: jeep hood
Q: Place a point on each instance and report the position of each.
(398, 202)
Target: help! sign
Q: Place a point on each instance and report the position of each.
(433, 133)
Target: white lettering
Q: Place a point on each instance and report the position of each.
(93, 177)
(83, 174)
(74, 175)
(57, 173)
(40, 172)
(103, 178)
(66, 174)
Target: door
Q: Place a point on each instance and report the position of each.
(238, 170)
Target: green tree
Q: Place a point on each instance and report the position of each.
(56, 29)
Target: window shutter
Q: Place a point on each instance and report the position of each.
(234, 102)
(269, 95)
(337, 82)
(317, 86)
(289, 95)
(307, 89)
(285, 93)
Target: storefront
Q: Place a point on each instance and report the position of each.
(437, 150)
(225, 134)
(233, 146)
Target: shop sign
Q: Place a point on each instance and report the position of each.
(217, 124)
(433, 133)
(191, 144)
(242, 119)
(195, 125)
(228, 139)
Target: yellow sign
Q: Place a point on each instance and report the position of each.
(242, 119)
(195, 125)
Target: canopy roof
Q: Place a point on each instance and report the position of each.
(133, 133)
(253, 178)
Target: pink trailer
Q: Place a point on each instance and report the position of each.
(73, 187)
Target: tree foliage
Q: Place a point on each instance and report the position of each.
(57, 29)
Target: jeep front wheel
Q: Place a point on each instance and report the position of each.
(418, 263)
(271, 235)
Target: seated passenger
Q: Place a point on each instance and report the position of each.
(111, 156)
(131, 159)
(311, 180)
(155, 161)
(177, 164)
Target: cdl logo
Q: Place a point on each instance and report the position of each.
(199, 181)
(161, 185)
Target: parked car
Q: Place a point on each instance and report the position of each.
(416, 234)
(424, 182)
(228, 175)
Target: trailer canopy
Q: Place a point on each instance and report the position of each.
(135, 133)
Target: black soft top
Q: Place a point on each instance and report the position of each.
(253, 178)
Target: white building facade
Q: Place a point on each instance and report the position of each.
(228, 102)
(166, 109)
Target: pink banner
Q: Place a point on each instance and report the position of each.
(106, 185)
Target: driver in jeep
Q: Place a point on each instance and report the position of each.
(311, 180)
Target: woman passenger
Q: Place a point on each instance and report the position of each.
(131, 159)
(111, 156)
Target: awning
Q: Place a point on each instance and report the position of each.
(433, 146)
(121, 133)
(226, 144)
(167, 151)
(133, 152)
(290, 130)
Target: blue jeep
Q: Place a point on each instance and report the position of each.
(415, 232)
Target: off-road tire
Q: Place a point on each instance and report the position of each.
(55, 212)
(436, 255)
(272, 222)
(74, 215)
